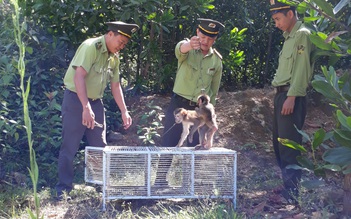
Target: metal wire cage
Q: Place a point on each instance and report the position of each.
(137, 172)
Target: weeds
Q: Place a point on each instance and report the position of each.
(150, 123)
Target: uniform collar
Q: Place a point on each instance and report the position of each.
(210, 52)
(103, 42)
(293, 31)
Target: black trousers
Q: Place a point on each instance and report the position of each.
(283, 127)
(171, 134)
(72, 133)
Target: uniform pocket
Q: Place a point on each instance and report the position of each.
(286, 61)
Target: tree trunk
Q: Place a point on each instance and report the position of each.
(347, 195)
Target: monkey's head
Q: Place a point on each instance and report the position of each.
(179, 114)
(203, 99)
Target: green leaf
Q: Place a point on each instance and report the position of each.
(327, 90)
(320, 172)
(304, 134)
(320, 43)
(29, 50)
(295, 167)
(325, 6)
(318, 138)
(302, 8)
(292, 144)
(344, 120)
(312, 184)
(305, 162)
(332, 167)
(342, 138)
(310, 19)
(338, 156)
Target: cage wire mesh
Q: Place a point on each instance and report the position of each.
(161, 172)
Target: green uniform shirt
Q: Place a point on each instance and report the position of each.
(295, 67)
(196, 72)
(101, 67)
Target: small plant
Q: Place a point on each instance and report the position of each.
(33, 170)
(150, 123)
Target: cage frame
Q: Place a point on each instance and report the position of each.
(149, 152)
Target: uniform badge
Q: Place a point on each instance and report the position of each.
(300, 49)
(98, 45)
(134, 29)
(212, 25)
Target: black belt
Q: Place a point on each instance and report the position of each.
(182, 99)
(283, 88)
(90, 99)
(93, 100)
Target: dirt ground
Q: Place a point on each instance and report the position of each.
(245, 124)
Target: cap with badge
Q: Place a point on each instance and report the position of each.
(209, 27)
(122, 28)
(277, 6)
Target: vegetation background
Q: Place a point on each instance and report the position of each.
(53, 30)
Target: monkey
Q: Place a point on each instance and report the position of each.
(206, 112)
(188, 118)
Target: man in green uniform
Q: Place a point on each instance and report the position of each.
(199, 71)
(290, 81)
(95, 63)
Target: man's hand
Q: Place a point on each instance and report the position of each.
(88, 117)
(127, 120)
(195, 42)
(288, 106)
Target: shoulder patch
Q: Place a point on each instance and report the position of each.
(217, 53)
(98, 45)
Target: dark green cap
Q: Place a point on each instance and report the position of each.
(277, 6)
(122, 28)
(209, 27)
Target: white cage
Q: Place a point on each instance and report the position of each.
(127, 172)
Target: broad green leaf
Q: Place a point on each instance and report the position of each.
(296, 167)
(332, 167)
(344, 120)
(292, 144)
(319, 42)
(323, 36)
(305, 162)
(339, 156)
(327, 90)
(333, 59)
(343, 140)
(302, 8)
(318, 138)
(304, 134)
(312, 184)
(310, 19)
(325, 6)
